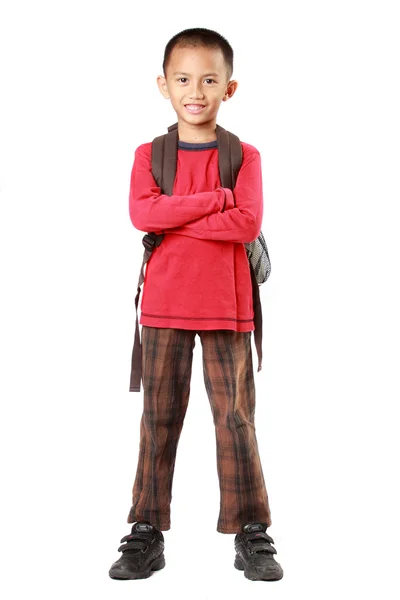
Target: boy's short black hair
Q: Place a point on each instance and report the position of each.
(199, 36)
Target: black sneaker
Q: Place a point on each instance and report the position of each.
(142, 553)
(254, 553)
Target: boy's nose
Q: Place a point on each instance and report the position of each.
(196, 94)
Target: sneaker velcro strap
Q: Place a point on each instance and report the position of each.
(137, 536)
(266, 547)
(257, 542)
(133, 545)
(260, 536)
(136, 541)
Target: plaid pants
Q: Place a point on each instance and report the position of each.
(229, 380)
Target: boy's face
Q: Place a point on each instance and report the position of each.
(196, 76)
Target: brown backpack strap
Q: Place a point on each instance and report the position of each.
(229, 157)
(164, 158)
(149, 241)
(163, 164)
(230, 160)
(157, 153)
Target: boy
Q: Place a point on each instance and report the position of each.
(198, 282)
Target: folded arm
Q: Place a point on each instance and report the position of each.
(150, 210)
(239, 224)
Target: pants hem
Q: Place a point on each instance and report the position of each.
(132, 518)
(237, 529)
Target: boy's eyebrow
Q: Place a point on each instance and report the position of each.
(205, 75)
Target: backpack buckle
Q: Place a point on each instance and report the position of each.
(149, 241)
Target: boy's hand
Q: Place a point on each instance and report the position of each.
(229, 199)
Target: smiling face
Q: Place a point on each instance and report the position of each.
(196, 82)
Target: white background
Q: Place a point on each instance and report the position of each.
(319, 97)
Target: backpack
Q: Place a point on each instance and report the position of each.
(164, 159)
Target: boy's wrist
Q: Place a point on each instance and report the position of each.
(229, 201)
(224, 199)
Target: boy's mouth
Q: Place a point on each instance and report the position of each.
(194, 108)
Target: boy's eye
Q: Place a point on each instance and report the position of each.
(208, 79)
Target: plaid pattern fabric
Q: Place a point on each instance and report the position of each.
(228, 375)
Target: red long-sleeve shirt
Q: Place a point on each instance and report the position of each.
(199, 276)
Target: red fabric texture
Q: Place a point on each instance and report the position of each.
(199, 276)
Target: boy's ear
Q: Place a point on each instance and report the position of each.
(162, 86)
(230, 89)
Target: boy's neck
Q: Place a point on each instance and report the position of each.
(204, 132)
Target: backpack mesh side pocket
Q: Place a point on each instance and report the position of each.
(257, 253)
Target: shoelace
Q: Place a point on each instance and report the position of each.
(259, 542)
(136, 542)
